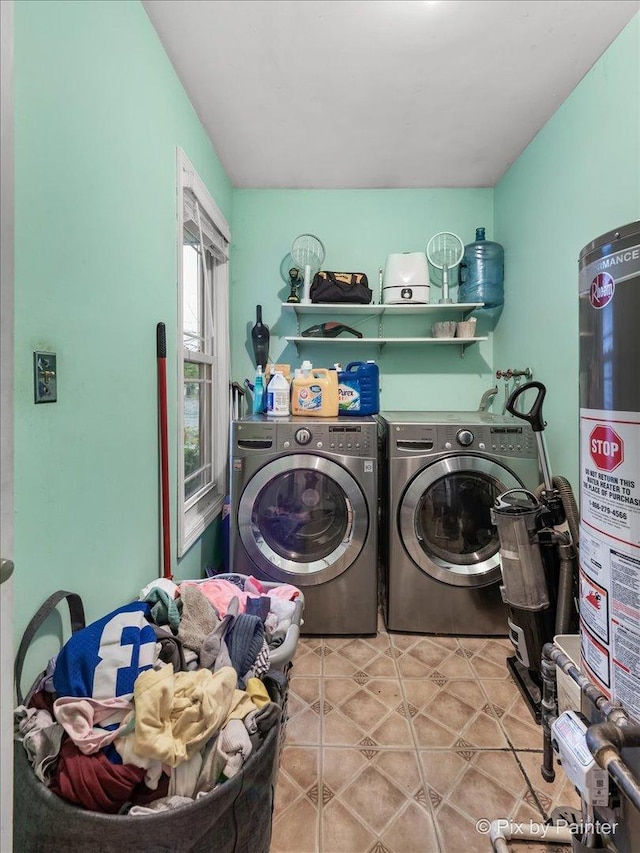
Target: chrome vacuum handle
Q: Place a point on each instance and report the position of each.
(534, 417)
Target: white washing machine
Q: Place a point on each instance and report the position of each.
(304, 497)
(443, 473)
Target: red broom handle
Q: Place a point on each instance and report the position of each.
(161, 349)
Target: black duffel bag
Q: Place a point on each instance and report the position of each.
(340, 287)
(233, 818)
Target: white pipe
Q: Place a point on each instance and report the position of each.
(503, 830)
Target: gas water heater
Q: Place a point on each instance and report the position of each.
(610, 505)
(610, 465)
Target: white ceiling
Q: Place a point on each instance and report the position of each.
(379, 93)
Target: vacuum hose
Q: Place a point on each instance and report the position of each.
(566, 571)
(566, 574)
(570, 507)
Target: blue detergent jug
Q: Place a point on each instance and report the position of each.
(359, 389)
(481, 272)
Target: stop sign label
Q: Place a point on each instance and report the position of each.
(606, 448)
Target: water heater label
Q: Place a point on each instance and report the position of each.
(594, 608)
(598, 280)
(610, 552)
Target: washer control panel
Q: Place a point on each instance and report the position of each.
(303, 436)
(464, 437)
(350, 439)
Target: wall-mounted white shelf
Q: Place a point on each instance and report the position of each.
(463, 308)
(381, 342)
(459, 309)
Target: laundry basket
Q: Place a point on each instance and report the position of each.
(235, 817)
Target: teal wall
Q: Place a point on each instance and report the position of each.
(358, 228)
(579, 178)
(99, 112)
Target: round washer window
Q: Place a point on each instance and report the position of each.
(453, 518)
(302, 515)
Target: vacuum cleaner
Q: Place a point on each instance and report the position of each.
(329, 330)
(538, 554)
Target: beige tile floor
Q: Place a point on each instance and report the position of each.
(400, 743)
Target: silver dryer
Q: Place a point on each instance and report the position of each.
(443, 473)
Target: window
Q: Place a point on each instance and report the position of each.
(203, 362)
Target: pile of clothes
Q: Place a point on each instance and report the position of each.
(162, 700)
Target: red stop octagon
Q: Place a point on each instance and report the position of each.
(606, 448)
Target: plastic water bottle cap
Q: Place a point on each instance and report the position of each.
(480, 233)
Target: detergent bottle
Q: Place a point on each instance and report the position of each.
(359, 389)
(258, 392)
(315, 392)
(278, 396)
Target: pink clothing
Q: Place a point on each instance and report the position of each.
(219, 592)
(285, 590)
(80, 718)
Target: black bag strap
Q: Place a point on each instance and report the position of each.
(76, 612)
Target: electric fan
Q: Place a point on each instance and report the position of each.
(308, 253)
(445, 251)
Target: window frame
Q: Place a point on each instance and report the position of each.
(198, 511)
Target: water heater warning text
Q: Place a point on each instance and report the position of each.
(606, 448)
(610, 454)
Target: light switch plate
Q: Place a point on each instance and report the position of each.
(45, 377)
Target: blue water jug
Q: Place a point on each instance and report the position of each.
(359, 389)
(481, 272)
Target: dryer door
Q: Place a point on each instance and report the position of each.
(303, 519)
(445, 521)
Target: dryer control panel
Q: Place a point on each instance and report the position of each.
(505, 440)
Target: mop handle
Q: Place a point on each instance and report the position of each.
(161, 352)
(534, 417)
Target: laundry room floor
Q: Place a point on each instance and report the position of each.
(399, 743)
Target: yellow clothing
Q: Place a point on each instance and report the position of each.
(258, 692)
(255, 696)
(176, 714)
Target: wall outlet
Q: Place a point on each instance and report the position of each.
(45, 377)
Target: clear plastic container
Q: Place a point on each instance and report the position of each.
(481, 272)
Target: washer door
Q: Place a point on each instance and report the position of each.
(303, 519)
(445, 520)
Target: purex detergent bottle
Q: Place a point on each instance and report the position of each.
(359, 389)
